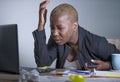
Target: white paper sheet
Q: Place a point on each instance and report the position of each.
(115, 73)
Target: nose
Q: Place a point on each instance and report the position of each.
(55, 32)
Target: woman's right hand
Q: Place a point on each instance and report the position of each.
(42, 14)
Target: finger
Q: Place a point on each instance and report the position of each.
(98, 63)
(86, 67)
(99, 67)
(47, 1)
(95, 61)
(44, 4)
(45, 14)
(42, 16)
(42, 11)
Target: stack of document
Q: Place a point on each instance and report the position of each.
(114, 73)
(71, 72)
(53, 79)
(102, 79)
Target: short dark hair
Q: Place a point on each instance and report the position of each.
(65, 9)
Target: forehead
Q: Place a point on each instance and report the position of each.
(59, 19)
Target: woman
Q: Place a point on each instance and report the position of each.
(69, 43)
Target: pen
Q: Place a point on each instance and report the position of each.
(81, 72)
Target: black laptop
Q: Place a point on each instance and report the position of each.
(9, 55)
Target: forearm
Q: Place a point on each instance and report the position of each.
(42, 55)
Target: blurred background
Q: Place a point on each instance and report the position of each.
(101, 17)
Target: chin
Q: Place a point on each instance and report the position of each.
(60, 43)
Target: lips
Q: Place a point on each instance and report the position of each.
(58, 41)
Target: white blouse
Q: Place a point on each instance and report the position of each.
(72, 65)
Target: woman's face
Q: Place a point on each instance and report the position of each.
(62, 29)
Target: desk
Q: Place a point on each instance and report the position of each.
(43, 76)
(9, 77)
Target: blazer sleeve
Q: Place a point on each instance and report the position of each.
(106, 49)
(44, 53)
(101, 47)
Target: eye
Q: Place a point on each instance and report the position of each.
(51, 27)
(60, 27)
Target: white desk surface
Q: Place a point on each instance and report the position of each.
(15, 78)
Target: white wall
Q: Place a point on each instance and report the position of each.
(98, 16)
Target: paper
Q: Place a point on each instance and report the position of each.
(102, 79)
(115, 73)
(53, 79)
(70, 72)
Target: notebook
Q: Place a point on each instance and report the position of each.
(9, 55)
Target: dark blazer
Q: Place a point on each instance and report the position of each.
(91, 46)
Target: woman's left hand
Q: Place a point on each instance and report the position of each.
(102, 65)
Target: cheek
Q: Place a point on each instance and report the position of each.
(66, 34)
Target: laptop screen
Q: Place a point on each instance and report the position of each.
(9, 55)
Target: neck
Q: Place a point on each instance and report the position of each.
(74, 38)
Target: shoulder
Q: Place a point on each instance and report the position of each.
(83, 33)
(89, 39)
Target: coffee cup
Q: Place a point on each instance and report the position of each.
(116, 61)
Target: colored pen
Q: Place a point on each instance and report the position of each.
(81, 72)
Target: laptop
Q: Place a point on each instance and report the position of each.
(9, 55)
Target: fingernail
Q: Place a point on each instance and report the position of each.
(92, 60)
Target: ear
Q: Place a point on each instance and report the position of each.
(75, 26)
